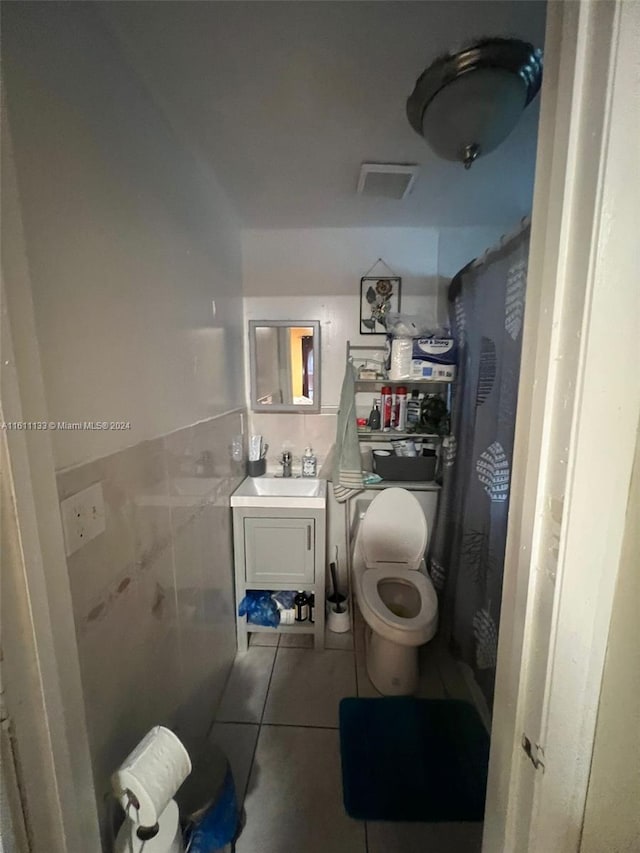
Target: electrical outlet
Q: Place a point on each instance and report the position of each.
(82, 517)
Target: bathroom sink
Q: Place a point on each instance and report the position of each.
(292, 492)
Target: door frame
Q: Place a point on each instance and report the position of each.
(41, 669)
(564, 536)
(577, 33)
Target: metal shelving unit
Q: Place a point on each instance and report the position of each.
(372, 385)
(384, 380)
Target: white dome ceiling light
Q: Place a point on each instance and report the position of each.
(465, 104)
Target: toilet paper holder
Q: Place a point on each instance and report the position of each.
(150, 775)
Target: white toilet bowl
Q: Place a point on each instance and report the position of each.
(394, 592)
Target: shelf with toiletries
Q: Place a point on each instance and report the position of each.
(277, 610)
(376, 384)
(403, 414)
(427, 360)
(378, 435)
(410, 406)
(404, 397)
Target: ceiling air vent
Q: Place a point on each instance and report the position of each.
(387, 180)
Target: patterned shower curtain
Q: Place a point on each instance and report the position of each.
(486, 306)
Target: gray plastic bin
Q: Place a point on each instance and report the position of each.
(409, 468)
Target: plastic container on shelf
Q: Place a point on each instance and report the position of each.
(404, 468)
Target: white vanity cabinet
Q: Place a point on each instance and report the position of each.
(279, 544)
(279, 550)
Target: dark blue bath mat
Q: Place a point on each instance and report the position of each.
(409, 759)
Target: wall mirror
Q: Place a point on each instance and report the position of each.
(285, 365)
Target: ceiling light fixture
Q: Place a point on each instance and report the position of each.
(465, 104)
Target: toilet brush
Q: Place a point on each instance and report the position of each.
(338, 618)
(337, 598)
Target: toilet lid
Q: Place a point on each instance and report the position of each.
(428, 598)
(394, 530)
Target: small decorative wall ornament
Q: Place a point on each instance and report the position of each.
(379, 296)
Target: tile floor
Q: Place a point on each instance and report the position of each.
(278, 725)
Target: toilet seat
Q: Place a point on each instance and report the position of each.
(428, 599)
(394, 530)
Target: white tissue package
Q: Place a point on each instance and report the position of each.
(423, 358)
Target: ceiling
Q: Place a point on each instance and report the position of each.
(287, 99)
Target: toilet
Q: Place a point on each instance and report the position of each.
(394, 592)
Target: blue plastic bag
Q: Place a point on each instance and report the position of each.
(260, 608)
(218, 825)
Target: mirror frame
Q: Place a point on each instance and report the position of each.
(314, 408)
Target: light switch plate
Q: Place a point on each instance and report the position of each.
(82, 517)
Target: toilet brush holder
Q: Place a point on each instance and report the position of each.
(338, 622)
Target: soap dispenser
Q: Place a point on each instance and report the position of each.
(309, 464)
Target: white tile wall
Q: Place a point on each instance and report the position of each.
(153, 595)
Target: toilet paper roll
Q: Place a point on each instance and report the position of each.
(401, 355)
(168, 839)
(153, 772)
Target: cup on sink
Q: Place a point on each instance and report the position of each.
(256, 467)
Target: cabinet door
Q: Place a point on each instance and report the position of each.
(279, 550)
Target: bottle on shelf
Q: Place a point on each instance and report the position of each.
(400, 409)
(309, 463)
(374, 416)
(301, 604)
(414, 406)
(386, 407)
(311, 600)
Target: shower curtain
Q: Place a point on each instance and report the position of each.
(486, 307)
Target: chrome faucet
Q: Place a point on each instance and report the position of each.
(285, 461)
